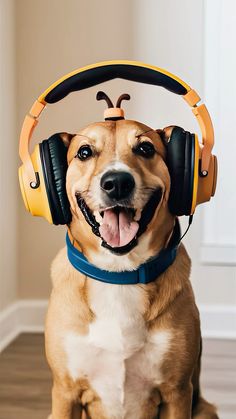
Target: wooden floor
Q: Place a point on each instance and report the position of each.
(25, 381)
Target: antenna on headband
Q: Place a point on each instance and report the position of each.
(103, 96)
(125, 96)
(113, 113)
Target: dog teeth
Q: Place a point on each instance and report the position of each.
(137, 215)
(98, 216)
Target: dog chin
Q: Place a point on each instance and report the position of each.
(119, 226)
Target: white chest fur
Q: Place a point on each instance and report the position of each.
(118, 356)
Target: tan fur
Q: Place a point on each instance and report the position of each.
(163, 311)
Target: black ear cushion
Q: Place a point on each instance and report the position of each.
(180, 162)
(53, 153)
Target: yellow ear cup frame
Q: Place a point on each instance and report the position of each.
(36, 200)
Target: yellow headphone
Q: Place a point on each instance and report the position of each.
(193, 169)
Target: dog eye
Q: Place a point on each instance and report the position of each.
(145, 149)
(84, 152)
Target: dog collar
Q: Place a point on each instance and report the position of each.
(147, 272)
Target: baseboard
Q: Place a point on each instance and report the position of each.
(217, 321)
(21, 316)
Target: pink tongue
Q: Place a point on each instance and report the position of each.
(117, 229)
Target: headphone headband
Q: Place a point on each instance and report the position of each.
(94, 74)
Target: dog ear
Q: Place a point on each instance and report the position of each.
(165, 134)
(66, 138)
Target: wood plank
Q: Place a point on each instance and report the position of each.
(218, 375)
(25, 379)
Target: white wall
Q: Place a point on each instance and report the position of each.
(8, 157)
(173, 35)
(220, 89)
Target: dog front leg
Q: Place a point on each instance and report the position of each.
(62, 404)
(177, 404)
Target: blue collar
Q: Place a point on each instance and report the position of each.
(147, 272)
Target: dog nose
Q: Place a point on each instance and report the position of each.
(117, 185)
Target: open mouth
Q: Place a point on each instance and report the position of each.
(119, 230)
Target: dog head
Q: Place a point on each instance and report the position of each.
(118, 186)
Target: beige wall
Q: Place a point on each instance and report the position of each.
(53, 38)
(8, 157)
(56, 36)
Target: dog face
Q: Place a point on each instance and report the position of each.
(118, 186)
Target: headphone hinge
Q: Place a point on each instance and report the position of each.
(192, 98)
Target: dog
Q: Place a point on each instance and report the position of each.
(122, 351)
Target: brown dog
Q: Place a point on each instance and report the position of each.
(122, 351)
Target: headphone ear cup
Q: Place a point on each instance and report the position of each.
(181, 164)
(53, 153)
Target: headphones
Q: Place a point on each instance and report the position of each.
(192, 167)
